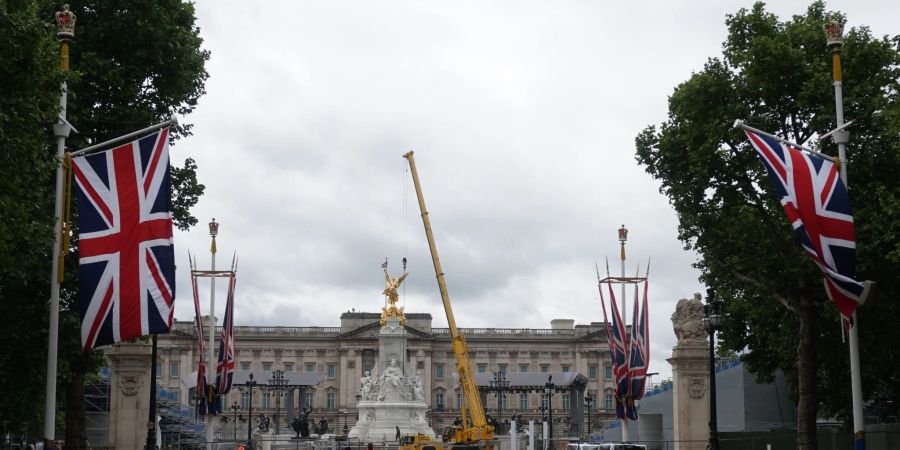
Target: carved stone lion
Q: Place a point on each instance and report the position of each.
(687, 320)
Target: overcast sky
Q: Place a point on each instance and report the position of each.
(522, 116)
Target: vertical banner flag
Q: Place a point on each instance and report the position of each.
(225, 366)
(620, 358)
(817, 204)
(127, 261)
(640, 352)
(200, 389)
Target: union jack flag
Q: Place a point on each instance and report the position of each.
(817, 204)
(127, 262)
(225, 367)
(640, 352)
(201, 370)
(617, 351)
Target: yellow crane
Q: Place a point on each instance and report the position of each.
(474, 429)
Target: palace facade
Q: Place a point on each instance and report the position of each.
(343, 354)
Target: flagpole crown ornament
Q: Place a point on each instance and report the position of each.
(834, 33)
(213, 228)
(623, 234)
(65, 23)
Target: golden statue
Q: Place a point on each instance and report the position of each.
(390, 291)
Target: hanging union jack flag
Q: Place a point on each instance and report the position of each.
(618, 351)
(640, 353)
(817, 204)
(127, 263)
(225, 366)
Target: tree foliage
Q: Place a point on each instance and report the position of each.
(134, 63)
(776, 75)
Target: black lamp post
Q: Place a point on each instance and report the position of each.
(249, 385)
(499, 385)
(588, 403)
(234, 409)
(549, 387)
(277, 384)
(712, 318)
(346, 430)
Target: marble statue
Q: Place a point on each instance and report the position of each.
(687, 320)
(417, 389)
(391, 382)
(366, 386)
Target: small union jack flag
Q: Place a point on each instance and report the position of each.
(640, 352)
(618, 351)
(127, 263)
(817, 204)
(201, 369)
(225, 367)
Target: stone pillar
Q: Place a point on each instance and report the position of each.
(129, 402)
(690, 377)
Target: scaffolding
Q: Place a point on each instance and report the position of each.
(177, 422)
(96, 410)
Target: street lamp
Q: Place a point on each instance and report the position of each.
(549, 387)
(249, 385)
(277, 384)
(712, 318)
(234, 409)
(499, 385)
(588, 403)
(346, 430)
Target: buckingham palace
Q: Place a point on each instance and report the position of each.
(342, 355)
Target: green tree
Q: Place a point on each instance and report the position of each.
(776, 75)
(134, 63)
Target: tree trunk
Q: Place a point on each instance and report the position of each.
(76, 425)
(807, 403)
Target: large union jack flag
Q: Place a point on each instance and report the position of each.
(817, 204)
(618, 351)
(225, 366)
(127, 263)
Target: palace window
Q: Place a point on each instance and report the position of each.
(309, 399)
(288, 367)
(592, 372)
(482, 367)
(608, 372)
(267, 367)
(173, 369)
(245, 365)
(439, 400)
(523, 401)
(332, 371)
(608, 403)
(438, 371)
(501, 368)
(245, 400)
(545, 368)
(266, 400)
(565, 369)
(566, 402)
(329, 400)
(523, 367)
(310, 367)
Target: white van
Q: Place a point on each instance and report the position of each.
(605, 446)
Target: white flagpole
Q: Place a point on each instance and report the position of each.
(623, 236)
(65, 31)
(834, 37)
(211, 371)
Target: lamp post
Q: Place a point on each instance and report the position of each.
(549, 387)
(712, 318)
(249, 385)
(234, 409)
(346, 430)
(588, 403)
(277, 384)
(499, 385)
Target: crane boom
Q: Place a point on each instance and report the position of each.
(478, 429)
